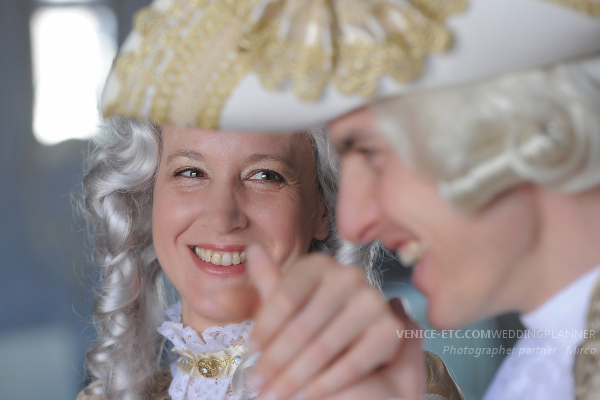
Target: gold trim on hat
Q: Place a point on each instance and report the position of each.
(591, 7)
(187, 56)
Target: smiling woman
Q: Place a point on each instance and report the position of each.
(217, 192)
(188, 202)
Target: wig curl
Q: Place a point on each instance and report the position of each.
(477, 141)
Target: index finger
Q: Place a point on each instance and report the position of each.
(264, 274)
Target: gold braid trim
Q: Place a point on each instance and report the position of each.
(352, 43)
(591, 7)
(587, 365)
(174, 43)
(438, 382)
(191, 54)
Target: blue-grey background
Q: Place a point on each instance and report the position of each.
(46, 277)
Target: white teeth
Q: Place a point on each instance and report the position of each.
(216, 258)
(226, 259)
(223, 258)
(410, 253)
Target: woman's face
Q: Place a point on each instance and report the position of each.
(472, 266)
(217, 192)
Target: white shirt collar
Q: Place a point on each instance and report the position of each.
(216, 338)
(566, 311)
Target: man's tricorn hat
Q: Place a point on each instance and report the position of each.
(287, 65)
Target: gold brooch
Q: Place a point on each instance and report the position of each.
(209, 367)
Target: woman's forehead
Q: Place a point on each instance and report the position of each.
(290, 149)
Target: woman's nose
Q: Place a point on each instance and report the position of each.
(222, 213)
(358, 212)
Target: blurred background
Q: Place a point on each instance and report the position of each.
(54, 57)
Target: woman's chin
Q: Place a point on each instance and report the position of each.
(222, 307)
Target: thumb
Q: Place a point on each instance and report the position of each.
(264, 274)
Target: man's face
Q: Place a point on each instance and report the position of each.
(469, 266)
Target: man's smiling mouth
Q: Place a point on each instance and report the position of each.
(411, 252)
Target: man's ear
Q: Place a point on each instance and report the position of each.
(323, 225)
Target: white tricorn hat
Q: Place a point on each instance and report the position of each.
(288, 65)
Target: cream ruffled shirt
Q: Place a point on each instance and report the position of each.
(226, 340)
(541, 368)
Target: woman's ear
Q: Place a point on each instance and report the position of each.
(323, 225)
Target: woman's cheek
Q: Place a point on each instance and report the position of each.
(282, 222)
(171, 213)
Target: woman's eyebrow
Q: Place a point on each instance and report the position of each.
(192, 155)
(270, 157)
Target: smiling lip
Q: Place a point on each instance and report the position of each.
(219, 270)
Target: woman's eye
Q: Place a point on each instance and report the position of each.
(267, 176)
(191, 173)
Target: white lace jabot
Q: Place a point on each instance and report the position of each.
(216, 338)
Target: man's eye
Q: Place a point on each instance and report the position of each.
(371, 156)
(368, 153)
(191, 173)
(267, 176)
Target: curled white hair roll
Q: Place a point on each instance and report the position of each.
(476, 141)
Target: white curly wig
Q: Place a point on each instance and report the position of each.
(130, 299)
(479, 140)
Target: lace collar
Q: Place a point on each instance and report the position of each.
(213, 339)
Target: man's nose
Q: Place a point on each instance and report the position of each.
(223, 213)
(358, 212)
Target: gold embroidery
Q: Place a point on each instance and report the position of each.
(208, 368)
(591, 7)
(438, 381)
(587, 360)
(191, 55)
(353, 47)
